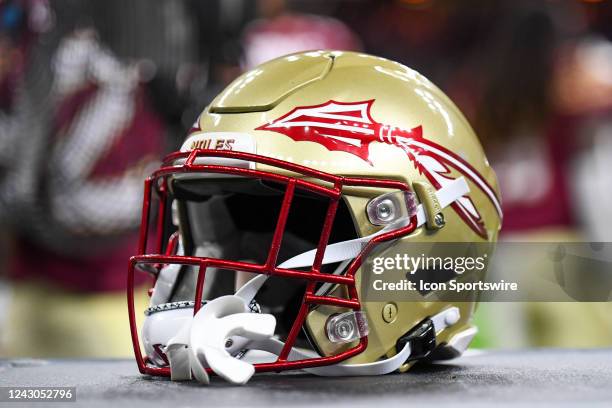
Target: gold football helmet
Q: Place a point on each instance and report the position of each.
(290, 186)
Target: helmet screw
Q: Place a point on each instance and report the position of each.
(229, 343)
(439, 220)
(389, 312)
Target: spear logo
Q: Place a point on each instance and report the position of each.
(349, 127)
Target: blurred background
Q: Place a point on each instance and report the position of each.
(93, 93)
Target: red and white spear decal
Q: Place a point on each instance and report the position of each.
(349, 127)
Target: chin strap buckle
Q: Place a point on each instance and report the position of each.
(422, 337)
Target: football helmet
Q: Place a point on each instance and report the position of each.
(261, 231)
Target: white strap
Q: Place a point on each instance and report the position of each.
(385, 366)
(448, 194)
(328, 285)
(381, 367)
(248, 291)
(441, 321)
(178, 355)
(445, 319)
(212, 325)
(344, 250)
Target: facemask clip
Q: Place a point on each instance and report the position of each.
(390, 207)
(347, 327)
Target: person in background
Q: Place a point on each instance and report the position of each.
(86, 130)
(279, 31)
(542, 106)
(21, 23)
(103, 139)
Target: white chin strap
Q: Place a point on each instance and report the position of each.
(224, 335)
(222, 330)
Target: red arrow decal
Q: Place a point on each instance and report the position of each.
(349, 127)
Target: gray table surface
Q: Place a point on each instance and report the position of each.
(534, 377)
